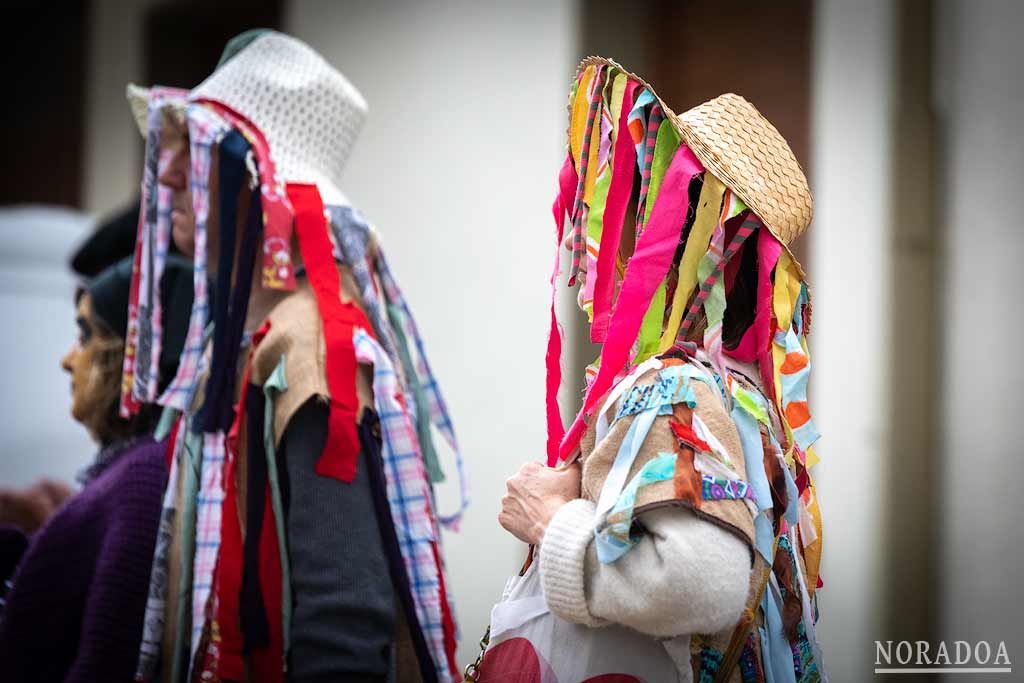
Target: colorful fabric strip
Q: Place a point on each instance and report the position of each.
(715, 488)
(341, 449)
(438, 408)
(711, 295)
(155, 242)
(645, 158)
(665, 144)
(153, 266)
(621, 387)
(156, 600)
(353, 236)
(646, 402)
(278, 214)
(229, 304)
(577, 223)
(706, 218)
(619, 192)
(756, 342)
(644, 273)
(205, 131)
(209, 503)
(749, 410)
(791, 361)
(553, 354)
(613, 539)
(409, 494)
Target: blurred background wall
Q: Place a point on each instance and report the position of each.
(905, 115)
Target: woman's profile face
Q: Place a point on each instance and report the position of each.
(80, 362)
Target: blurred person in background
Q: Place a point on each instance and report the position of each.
(302, 542)
(75, 603)
(679, 537)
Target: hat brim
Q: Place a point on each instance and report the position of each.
(738, 145)
(138, 102)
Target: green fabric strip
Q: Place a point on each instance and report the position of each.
(163, 427)
(650, 328)
(275, 385)
(423, 433)
(654, 320)
(190, 467)
(664, 149)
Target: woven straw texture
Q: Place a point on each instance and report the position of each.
(746, 152)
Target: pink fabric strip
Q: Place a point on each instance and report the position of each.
(624, 162)
(645, 271)
(553, 359)
(756, 342)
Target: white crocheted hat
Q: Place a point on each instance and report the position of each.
(309, 113)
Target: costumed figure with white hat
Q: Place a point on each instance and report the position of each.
(675, 531)
(299, 534)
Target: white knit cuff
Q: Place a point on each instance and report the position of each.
(562, 557)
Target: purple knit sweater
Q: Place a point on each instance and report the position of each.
(75, 610)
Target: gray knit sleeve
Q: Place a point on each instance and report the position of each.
(344, 603)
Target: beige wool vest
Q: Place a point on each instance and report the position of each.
(733, 516)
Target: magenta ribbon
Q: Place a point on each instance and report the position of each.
(619, 191)
(645, 271)
(756, 342)
(553, 358)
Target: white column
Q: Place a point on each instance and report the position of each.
(980, 106)
(852, 120)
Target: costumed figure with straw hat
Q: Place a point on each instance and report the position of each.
(675, 533)
(299, 536)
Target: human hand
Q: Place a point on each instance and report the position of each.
(29, 508)
(533, 496)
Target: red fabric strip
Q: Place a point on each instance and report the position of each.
(172, 439)
(755, 345)
(447, 621)
(277, 267)
(227, 582)
(341, 449)
(619, 192)
(268, 663)
(645, 270)
(553, 358)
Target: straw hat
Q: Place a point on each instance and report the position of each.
(746, 152)
(309, 113)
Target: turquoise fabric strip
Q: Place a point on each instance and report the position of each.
(191, 463)
(275, 385)
(614, 540)
(421, 406)
(778, 655)
(647, 402)
(744, 415)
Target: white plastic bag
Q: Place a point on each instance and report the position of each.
(529, 644)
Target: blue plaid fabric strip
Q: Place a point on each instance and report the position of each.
(409, 493)
(432, 390)
(156, 600)
(352, 237)
(205, 131)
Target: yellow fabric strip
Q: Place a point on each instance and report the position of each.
(580, 109)
(785, 291)
(709, 208)
(618, 92)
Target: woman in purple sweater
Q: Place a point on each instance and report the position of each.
(75, 606)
